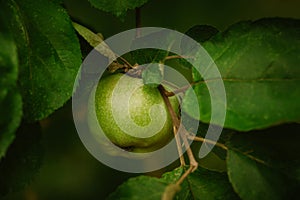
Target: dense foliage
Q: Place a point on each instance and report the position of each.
(40, 55)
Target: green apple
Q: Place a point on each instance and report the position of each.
(132, 115)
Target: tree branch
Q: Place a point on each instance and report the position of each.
(176, 57)
(175, 121)
(201, 139)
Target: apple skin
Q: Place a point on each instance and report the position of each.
(141, 100)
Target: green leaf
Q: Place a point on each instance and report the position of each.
(152, 59)
(23, 159)
(10, 98)
(49, 54)
(259, 65)
(141, 187)
(149, 55)
(265, 164)
(146, 56)
(171, 178)
(215, 160)
(11, 114)
(92, 38)
(153, 74)
(117, 7)
(201, 184)
(205, 184)
(201, 33)
(95, 40)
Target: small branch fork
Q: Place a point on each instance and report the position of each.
(176, 126)
(176, 123)
(172, 189)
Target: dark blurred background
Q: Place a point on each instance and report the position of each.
(67, 170)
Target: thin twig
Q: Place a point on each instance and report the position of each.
(179, 149)
(183, 177)
(171, 85)
(177, 91)
(172, 189)
(201, 139)
(126, 62)
(193, 162)
(176, 57)
(180, 90)
(169, 106)
(175, 121)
